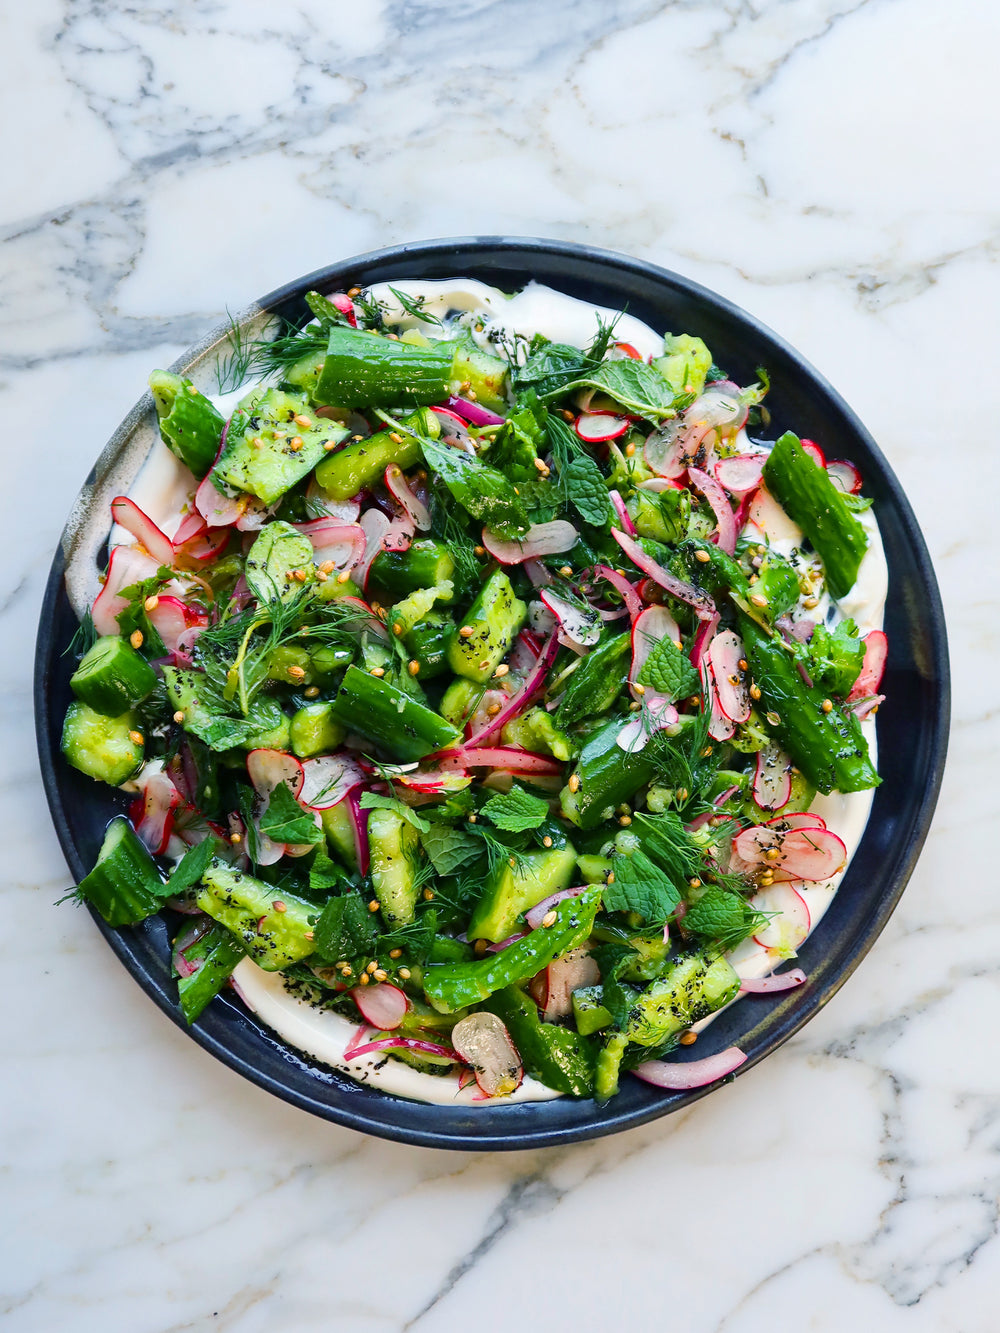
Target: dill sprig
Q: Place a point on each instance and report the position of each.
(604, 336)
(415, 306)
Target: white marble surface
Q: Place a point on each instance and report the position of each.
(829, 164)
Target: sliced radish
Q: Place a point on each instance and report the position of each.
(160, 798)
(581, 624)
(692, 1073)
(655, 623)
(202, 547)
(399, 488)
(740, 474)
(630, 353)
(399, 534)
(697, 598)
(769, 517)
(659, 484)
(872, 668)
(254, 514)
(790, 923)
(621, 585)
(454, 430)
(343, 543)
(498, 756)
(725, 652)
(669, 449)
(383, 1005)
(796, 819)
(400, 1043)
(719, 503)
(536, 915)
(192, 525)
(173, 620)
(777, 981)
(485, 1045)
(128, 514)
(541, 539)
(127, 565)
(346, 307)
(541, 619)
(538, 575)
(813, 854)
(720, 728)
(318, 503)
(706, 632)
(596, 427)
(266, 768)
(863, 707)
(658, 714)
(533, 683)
(772, 778)
(845, 475)
(814, 451)
(474, 413)
(561, 978)
(624, 518)
(375, 525)
(327, 779)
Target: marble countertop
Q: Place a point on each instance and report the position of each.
(828, 164)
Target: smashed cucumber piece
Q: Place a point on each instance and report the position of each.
(273, 441)
(191, 425)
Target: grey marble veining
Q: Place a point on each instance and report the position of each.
(828, 164)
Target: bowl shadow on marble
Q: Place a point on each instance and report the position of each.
(913, 725)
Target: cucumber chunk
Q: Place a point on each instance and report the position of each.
(509, 894)
(273, 936)
(393, 842)
(102, 747)
(495, 618)
(125, 885)
(267, 449)
(112, 677)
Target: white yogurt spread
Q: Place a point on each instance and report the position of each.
(324, 1035)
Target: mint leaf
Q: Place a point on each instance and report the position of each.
(835, 659)
(668, 671)
(286, 821)
(449, 848)
(277, 551)
(324, 873)
(516, 810)
(586, 490)
(723, 918)
(482, 491)
(190, 867)
(344, 929)
(372, 801)
(637, 387)
(640, 886)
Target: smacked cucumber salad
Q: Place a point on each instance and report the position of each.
(494, 696)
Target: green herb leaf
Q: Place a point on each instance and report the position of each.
(324, 873)
(722, 918)
(516, 810)
(344, 929)
(371, 800)
(277, 551)
(550, 367)
(668, 671)
(449, 848)
(835, 658)
(286, 821)
(482, 491)
(584, 486)
(633, 384)
(190, 867)
(642, 887)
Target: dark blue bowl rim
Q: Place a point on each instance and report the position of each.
(232, 1036)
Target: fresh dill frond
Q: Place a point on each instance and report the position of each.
(259, 358)
(498, 852)
(604, 336)
(415, 306)
(84, 637)
(371, 311)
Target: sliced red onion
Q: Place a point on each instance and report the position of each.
(691, 1074)
(872, 668)
(474, 413)
(359, 827)
(535, 915)
(537, 574)
(845, 475)
(533, 683)
(128, 514)
(127, 565)
(327, 779)
(624, 518)
(716, 497)
(541, 539)
(581, 624)
(863, 707)
(511, 939)
(266, 768)
(399, 488)
(622, 586)
(484, 1044)
(703, 638)
(358, 1039)
(777, 981)
(725, 652)
(404, 1043)
(740, 474)
(498, 756)
(383, 1005)
(190, 935)
(790, 921)
(696, 598)
(596, 427)
(562, 977)
(772, 778)
(375, 525)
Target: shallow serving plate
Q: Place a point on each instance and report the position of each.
(912, 727)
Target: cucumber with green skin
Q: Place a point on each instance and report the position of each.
(314, 730)
(395, 721)
(102, 747)
(514, 890)
(273, 935)
(191, 425)
(428, 642)
(393, 842)
(495, 618)
(368, 370)
(267, 450)
(426, 564)
(125, 885)
(362, 463)
(112, 677)
(606, 775)
(557, 1056)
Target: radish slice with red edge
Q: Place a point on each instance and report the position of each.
(538, 575)
(772, 779)
(454, 430)
(665, 451)
(658, 714)
(777, 981)
(128, 514)
(327, 779)
(581, 623)
(383, 1005)
(160, 799)
(127, 565)
(484, 1044)
(399, 488)
(343, 543)
(769, 517)
(217, 508)
(498, 756)
(692, 1073)
(872, 668)
(719, 503)
(814, 451)
(474, 413)
(375, 525)
(697, 598)
(550, 538)
(173, 620)
(596, 427)
(790, 921)
(399, 534)
(659, 484)
(720, 728)
(740, 474)
(845, 475)
(703, 638)
(533, 683)
(622, 586)
(266, 768)
(401, 1043)
(812, 854)
(346, 307)
(796, 819)
(536, 915)
(191, 525)
(624, 518)
(725, 652)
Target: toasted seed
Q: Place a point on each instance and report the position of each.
(755, 691)
(279, 906)
(758, 599)
(296, 673)
(703, 556)
(395, 953)
(380, 974)
(178, 716)
(377, 671)
(827, 706)
(295, 443)
(546, 841)
(413, 667)
(502, 669)
(136, 737)
(466, 632)
(311, 692)
(304, 422)
(404, 972)
(688, 1038)
(373, 905)
(574, 782)
(428, 894)
(774, 719)
(135, 638)
(550, 919)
